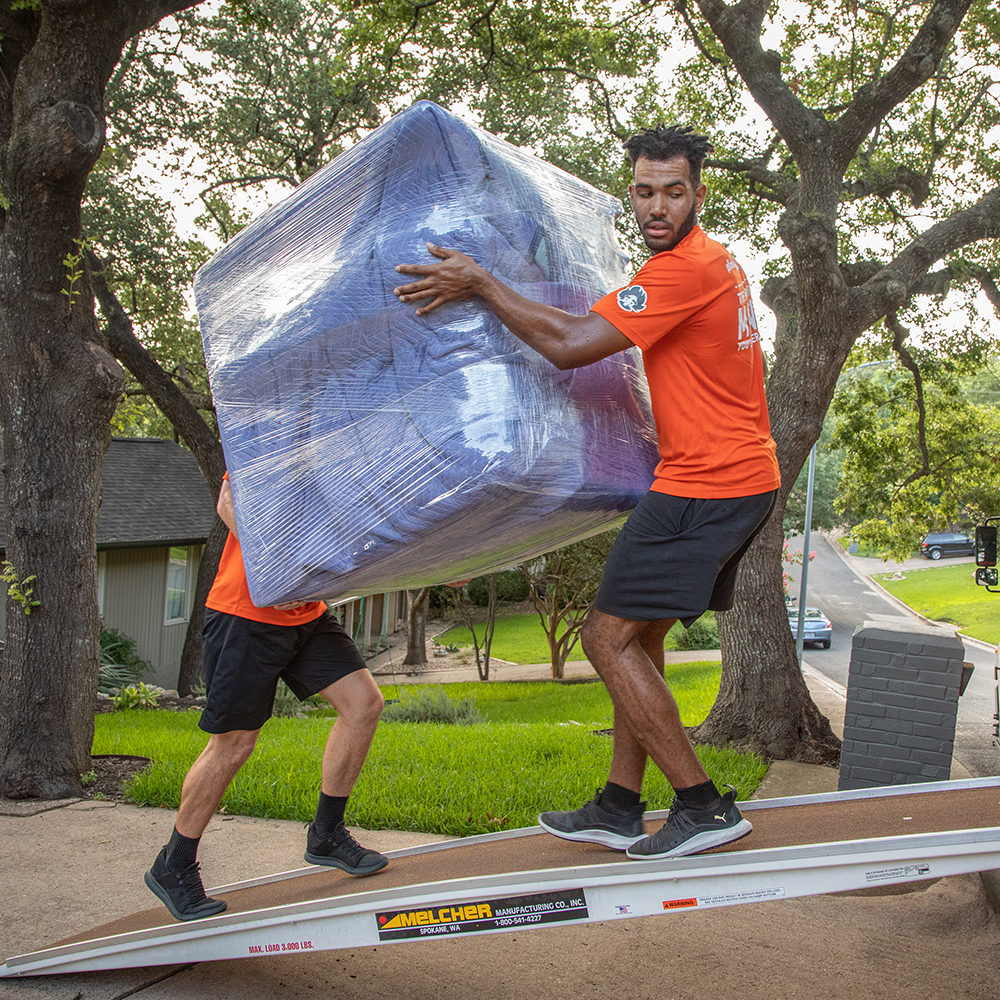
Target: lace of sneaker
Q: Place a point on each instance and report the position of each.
(191, 884)
(342, 841)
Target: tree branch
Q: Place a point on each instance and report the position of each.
(738, 27)
(873, 101)
(899, 335)
(902, 277)
(175, 405)
(783, 189)
(916, 186)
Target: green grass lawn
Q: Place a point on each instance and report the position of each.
(521, 639)
(535, 749)
(949, 594)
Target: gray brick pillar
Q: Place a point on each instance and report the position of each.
(902, 701)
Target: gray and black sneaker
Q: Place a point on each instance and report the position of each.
(181, 891)
(688, 831)
(339, 849)
(595, 824)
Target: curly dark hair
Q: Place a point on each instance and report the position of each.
(664, 142)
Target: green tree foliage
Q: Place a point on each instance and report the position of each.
(868, 187)
(279, 91)
(914, 465)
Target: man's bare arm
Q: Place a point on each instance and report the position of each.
(566, 340)
(225, 508)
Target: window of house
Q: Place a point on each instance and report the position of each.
(178, 584)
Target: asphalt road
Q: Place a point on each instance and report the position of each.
(850, 599)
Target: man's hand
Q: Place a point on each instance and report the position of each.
(457, 277)
(291, 605)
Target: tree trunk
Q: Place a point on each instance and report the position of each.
(60, 384)
(191, 656)
(763, 703)
(483, 663)
(416, 640)
(196, 433)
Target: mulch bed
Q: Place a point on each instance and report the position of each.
(112, 770)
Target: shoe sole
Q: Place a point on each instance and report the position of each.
(161, 894)
(319, 859)
(699, 842)
(604, 838)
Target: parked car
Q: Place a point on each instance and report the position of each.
(946, 543)
(817, 628)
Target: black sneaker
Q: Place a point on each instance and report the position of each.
(340, 850)
(594, 824)
(181, 891)
(688, 831)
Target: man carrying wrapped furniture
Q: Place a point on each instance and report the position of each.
(689, 310)
(247, 648)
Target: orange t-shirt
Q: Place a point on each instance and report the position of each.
(689, 310)
(231, 594)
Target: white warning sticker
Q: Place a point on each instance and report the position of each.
(904, 873)
(746, 896)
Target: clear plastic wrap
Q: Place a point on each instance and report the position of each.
(371, 449)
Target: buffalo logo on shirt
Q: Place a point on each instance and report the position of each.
(632, 299)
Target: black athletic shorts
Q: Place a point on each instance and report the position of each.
(244, 659)
(677, 557)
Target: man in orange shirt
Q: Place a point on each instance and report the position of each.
(247, 648)
(689, 311)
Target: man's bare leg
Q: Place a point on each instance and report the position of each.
(358, 702)
(642, 700)
(209, 777)
(701, 818)
(628, 760)
(174, 877)
(614, 817)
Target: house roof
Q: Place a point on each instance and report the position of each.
(153, 494)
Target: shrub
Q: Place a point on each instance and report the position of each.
(511, 586)
(120, 665)
(286, 702)
(135, 697)
(703, 634)
(432, 705)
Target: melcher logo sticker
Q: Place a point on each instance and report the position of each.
(483, 915)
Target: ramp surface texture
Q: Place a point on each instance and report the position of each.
(527, 878)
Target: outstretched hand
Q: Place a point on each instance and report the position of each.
(453, 279)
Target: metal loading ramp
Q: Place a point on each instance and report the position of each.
(525, 879)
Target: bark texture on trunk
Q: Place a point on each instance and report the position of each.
(416, 618)
(60, 383)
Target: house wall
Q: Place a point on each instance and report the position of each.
(368, 619)
(134, 588)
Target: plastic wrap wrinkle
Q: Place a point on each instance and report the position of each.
(371, 449)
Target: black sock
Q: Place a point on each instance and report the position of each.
(618, 797)
(329, 812)
(181, 850)
(702, 796)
